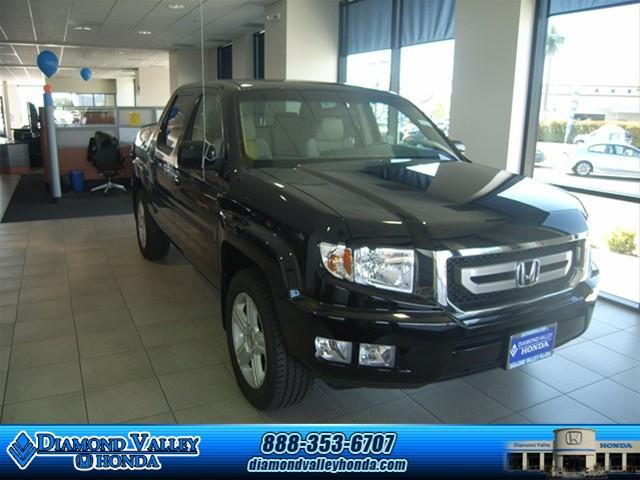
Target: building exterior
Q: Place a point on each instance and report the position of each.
(612, 103)
(574, 452)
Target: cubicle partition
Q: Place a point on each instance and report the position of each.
(75, 126)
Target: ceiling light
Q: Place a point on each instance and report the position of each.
(84, 28)
(175, 6)
(144, 32)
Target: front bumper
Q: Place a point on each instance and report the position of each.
(431, 345)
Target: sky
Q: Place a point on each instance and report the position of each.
(601, 47)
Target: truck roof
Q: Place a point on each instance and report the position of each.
(252, 84)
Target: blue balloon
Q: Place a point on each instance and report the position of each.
(48, 63)
(85, 73)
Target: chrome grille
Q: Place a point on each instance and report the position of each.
(487, 281)
(503, 276)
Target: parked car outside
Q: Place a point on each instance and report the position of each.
(342, 252)
(613, 159)
(606, 133)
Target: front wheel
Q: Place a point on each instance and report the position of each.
(153, 243)
(266, 374)
(583, 168)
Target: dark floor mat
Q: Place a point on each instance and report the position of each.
(32, 201)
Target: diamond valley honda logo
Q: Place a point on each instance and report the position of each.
(573, 438)
(22, 450)
(136, 451)
(514, 350)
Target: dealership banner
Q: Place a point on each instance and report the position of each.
(294, 451)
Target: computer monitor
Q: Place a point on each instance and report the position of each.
(34, 119)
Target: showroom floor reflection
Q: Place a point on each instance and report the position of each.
(91, 332)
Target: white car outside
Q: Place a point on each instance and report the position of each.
(606, 133)
(605, 159)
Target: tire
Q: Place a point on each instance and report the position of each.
(583, 168)
(284, 381)
(152, 242)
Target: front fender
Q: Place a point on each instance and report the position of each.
(265, 247)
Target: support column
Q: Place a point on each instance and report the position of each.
(185, 66)
(153, 87)
(490, 79)
(7, 110)
(301, 40)
(242, 51)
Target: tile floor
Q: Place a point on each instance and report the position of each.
(8, 184)
(91, 332)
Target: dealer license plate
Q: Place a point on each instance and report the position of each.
(531, 346)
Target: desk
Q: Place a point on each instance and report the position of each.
(73, 142)
(14, 157)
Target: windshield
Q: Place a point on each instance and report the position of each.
(292, 127)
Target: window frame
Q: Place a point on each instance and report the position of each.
(258, 55)
(534, 101)
(396, 45)
(532, 118)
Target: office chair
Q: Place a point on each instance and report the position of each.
(104, 155)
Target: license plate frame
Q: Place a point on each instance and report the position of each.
(531, 346)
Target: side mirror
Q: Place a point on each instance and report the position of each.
(191, 154)
(459, 146)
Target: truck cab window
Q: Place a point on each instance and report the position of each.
(207, 123)
(174, 122)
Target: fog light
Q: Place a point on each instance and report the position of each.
(377, 355)
(333, 350)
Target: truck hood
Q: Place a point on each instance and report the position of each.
(436, 204)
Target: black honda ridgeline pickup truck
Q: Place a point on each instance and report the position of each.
(345, 250)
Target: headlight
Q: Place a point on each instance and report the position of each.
(388, 268)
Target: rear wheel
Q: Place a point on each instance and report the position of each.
(583, 168)
(153, 243)
(266, 374)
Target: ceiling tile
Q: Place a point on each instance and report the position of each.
(116, 23)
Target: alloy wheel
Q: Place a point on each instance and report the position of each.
(583, 168)
(248, 340)
(142, 226)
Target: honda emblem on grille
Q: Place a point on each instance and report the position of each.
(527, 272)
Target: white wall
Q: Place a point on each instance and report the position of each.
(490, 79)
(211, 64)
(6, 112)
(77, 85)
(13, 117)
(303, 43)
(275, 42)
(125, 92)
(153, 86)
(312, 40)
(185, 66)
(242, 53)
